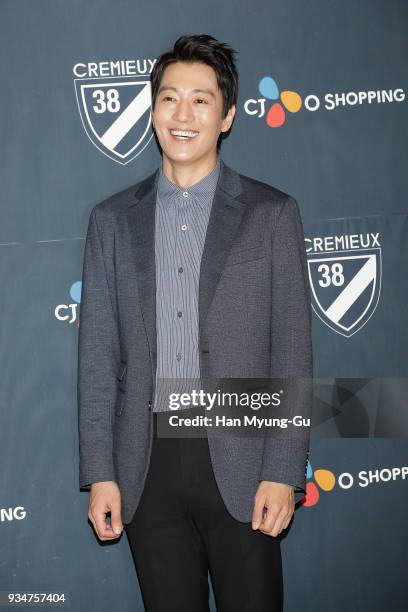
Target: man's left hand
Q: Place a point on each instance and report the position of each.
(273, 507)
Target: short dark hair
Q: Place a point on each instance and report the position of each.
(208, 50)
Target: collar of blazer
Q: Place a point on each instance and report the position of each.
(226, 214)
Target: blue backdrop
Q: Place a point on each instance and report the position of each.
(322, 115)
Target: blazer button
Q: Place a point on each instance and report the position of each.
(150, 404)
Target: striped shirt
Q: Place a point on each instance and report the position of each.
(181, 221)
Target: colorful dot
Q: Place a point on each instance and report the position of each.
(312, 495)
(276, 116)
(268, 88)
(291, 100)
(75, 291)
(325, 479)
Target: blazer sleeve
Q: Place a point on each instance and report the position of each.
(285, 457)
(96, 382)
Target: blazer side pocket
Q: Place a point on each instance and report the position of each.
(120, 397)
(122, 371)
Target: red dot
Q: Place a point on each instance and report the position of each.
(276, 116)
(312, 495)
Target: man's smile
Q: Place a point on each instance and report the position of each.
(183, 135)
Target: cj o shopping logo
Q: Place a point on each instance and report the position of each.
(68, 313)
(324, 480)
(272, 103)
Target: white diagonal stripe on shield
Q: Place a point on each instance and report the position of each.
(127, 119)
(353, 290)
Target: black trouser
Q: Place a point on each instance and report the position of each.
(182, 529)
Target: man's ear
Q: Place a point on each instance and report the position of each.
(228, 119)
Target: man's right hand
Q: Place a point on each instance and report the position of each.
(103, 498)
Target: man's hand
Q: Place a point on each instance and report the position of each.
(279, 500)
(105, 497)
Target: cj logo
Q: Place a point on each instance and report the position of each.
(319, 479)
(276, 115)
(68, 312)
(115, 113)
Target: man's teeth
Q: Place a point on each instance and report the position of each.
(183, 133)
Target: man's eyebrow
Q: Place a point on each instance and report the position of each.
(208, 91)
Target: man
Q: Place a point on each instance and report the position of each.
(195, 271)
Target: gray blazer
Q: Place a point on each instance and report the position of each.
(254, 321)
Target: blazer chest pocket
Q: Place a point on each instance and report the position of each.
(243, 255)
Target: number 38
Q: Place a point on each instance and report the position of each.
(107, 100)
(331, 275)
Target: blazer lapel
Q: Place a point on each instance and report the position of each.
(225, 217)
(141, 218)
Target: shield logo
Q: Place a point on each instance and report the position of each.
(115, 113)
(345, 287)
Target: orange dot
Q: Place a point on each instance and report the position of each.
(312, 495)
(291, 100)
(276, 116)
(325, 479)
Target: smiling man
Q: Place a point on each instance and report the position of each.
(196, 271)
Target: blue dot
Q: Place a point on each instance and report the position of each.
(75, 291)
(309, 472)
(268, 88)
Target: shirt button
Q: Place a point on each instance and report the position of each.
(185, 194)
(178, 356)
(180, 269)
(184, 227)
(179, 313)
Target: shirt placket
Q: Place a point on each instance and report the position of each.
(182, 240)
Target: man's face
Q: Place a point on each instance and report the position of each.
(189, 100)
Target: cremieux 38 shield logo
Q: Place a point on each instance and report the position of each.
(345, 279)
(114, 100)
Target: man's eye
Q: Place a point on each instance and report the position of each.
(168, 98)
(202, 100)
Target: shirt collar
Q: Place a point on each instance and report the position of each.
(200, 191)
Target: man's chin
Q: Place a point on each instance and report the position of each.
(180, 158)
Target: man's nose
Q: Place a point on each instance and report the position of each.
(183, 111)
